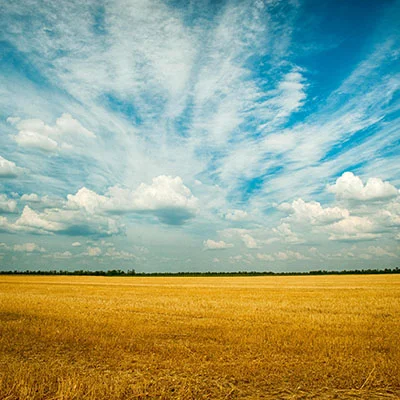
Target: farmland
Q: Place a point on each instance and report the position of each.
(292, 337)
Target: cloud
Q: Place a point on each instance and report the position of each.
(289, 255)
(88, 200)
(167, 198)
(8, 169)
(76, 244)
(265, 257)
(380, 252)
(35, 222)
(34, 133)
(236, 215)
(119, 254)
(30, 198)
(69, 222)
(353, 228)
(249, 241)
(59, 255)
(281, 256)
(93, 251)
(35, 140)
(210, 244)
(351, 187)
(70, 126)
(312, 212)
(4, 246)
(287, 235)
(7, 205)
(29, 248)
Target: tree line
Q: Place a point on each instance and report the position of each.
(132, 272)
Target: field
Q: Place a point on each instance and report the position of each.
(320, 337)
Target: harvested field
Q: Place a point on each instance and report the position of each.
(320, 337)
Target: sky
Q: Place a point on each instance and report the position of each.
(167, 136)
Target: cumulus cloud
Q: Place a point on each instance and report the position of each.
(59, 255)
(167, 198)
(70, 126)
(351, 187)
(30, 220)
(71, 222)
(285, 232)
(34, 133)
(119, 254)
(88, 200)
(245, 235)
(380, 251)
(35, 140)
(249, 241)
(9, 169)
(265, 257)
(312, 212)
(353, 228)
(213, 245)
(30, 198)
(7, 205)
(76, 244)
(29, 248)
(236, 215)
(287, 255)
(282, 256)
(93, 251)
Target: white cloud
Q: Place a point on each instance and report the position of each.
(285, 232)
(353, 228)
(265, 257)
(70, 126)
(29, 248)
(30, 198)
(30, 220)
(34, 133)
(172, 201)
(351, 187)
(210, 244)
(167, 198)
(7, 205)
(289, 255)
(8, 169)
(87, 199)
(312, 212)
(64, 255)
(4, 246)
(76, 244)
(287, 98)
(93, 251)
(35, 140)
(119, 254)
(71, 222)
(236, 215)
(249, 241)
(380, 251)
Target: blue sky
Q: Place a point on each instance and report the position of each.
(196, 136)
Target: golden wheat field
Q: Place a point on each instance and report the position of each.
(320, 337)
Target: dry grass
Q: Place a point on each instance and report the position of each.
(200, 338)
